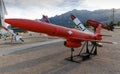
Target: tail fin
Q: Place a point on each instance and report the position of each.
(98, 30)
(98, 36)
(45, 18)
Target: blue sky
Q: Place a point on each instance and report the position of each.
(32, 9)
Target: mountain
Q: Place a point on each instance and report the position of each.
(104, 16)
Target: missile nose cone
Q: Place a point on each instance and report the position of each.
(13, 22)
(88, 21)
(6, 20)
(9, 21)
(72, 17)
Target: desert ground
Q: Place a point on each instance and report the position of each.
(51, 58)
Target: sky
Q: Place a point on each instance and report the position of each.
(34, 9)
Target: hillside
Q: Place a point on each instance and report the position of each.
(104, 16)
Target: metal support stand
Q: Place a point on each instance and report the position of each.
(72, 50)
(84, 55)
(87, 50)
(94, 49)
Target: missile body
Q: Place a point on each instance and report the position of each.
(96, 23)
(73, 37)
(47, 28)
(79, 24)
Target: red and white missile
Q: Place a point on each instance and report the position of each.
(79, 24)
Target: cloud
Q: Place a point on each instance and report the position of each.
(34, 3)
(44, 3)
(36, 8)
(33, 8)
(101, 4)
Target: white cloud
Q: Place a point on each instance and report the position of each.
(34, 3)
(36, 8)
(101, 4)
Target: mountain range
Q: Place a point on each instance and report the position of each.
(104, 16)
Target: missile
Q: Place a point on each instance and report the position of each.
(38, 26)
(96, 23)
(78, 23)
(73, 37)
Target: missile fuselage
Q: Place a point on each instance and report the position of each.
(47, 28)
(96, 23)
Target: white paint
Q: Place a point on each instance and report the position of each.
(70, 32)
(81, 26)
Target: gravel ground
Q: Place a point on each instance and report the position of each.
(50, 58)
(36, 37)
